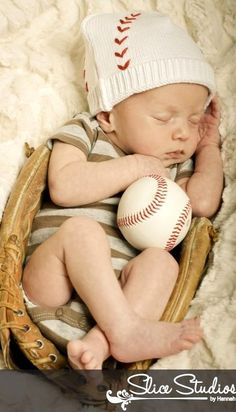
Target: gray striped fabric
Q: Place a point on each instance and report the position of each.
(83, 132)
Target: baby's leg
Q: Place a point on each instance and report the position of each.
(45, 279)
(79, 254)
(147, 283)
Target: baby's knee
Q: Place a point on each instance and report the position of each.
(161, 259)
(151, 262)
(79, 227)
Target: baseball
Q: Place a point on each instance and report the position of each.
(154, 212)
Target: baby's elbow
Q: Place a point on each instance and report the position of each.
(204, 208)
(57, 194)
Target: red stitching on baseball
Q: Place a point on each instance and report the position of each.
(150, 209)
(170, 244)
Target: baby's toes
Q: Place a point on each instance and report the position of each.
(73, 349)
(89, 360)
(93, 364)
(191, 323)
(186, 344)
(87, 356)
(193, 327)
(192, 336)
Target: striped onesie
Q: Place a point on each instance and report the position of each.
(84, 132)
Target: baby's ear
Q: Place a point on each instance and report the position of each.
(105, 121)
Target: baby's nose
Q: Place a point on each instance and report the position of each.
(181, 130)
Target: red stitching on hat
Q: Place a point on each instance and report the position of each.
(121, 29)
(124, 67)
(125, 22)
(120, 41)
(130, 18)
(120, 54)
(86, 84)
(135, 14)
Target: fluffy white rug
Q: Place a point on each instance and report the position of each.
(41, 77)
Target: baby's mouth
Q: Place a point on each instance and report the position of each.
(175, 155)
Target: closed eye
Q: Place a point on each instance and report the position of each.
(162, 119)
(195, 120)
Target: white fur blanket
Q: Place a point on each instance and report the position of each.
(41, 83)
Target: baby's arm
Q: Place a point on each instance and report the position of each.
(205, 186)
(74, 181)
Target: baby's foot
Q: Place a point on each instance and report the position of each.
(144, 339)
(186, 335)
(90, 352)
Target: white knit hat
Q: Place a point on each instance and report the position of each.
(127, 54)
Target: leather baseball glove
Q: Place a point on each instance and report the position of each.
(22, 342)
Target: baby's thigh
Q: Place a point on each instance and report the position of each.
(45, 281)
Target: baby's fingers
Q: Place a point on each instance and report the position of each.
(215, 107)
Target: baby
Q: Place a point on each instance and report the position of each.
(152, 111)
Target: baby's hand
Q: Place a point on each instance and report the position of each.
(208, 127)
(148, 165)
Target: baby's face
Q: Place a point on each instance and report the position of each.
(162, 122)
